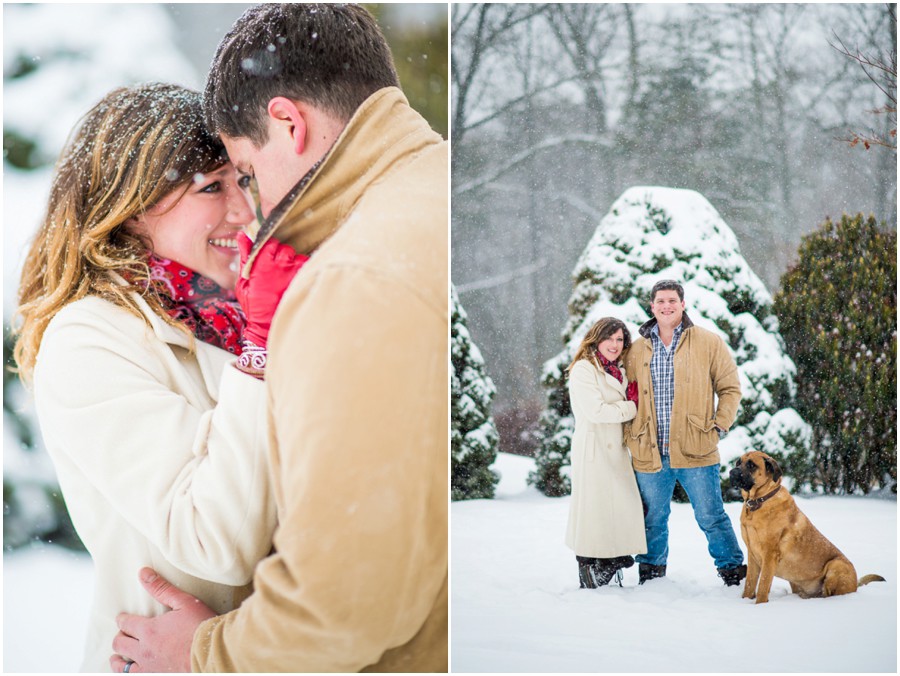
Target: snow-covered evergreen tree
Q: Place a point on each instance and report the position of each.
(653, 233)
(473, 435)
(58, 61)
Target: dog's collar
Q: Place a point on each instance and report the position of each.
(756, 503)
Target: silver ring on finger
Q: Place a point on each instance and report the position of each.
(127, 667)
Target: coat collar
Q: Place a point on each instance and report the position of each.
(613, 382)
(647, 327)
(211, 359)
(383, 130)
(161, 328)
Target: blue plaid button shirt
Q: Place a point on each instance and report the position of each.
(662, 372)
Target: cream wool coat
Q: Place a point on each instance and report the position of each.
(358, 388)
(606, 518)
(161, 458)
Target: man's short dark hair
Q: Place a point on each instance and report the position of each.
(331, 56)
(667, 285)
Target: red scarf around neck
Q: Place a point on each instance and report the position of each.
(211, 313)
(610, 367)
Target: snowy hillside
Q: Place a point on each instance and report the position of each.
(516, 605)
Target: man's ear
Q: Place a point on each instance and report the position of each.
(284, 111)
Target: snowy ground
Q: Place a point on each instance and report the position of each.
(516, 605)
(46, 602)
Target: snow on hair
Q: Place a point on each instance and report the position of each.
(135, 146)
(332, 56)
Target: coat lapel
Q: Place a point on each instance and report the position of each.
(210, 359)
(376, 137)
(612, 382)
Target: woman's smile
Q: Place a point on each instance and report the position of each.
(225, 243)
(198, 228)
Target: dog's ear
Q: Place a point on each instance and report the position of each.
(773, 468)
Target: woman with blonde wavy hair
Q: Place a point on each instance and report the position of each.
(146, 368)
(606, 520)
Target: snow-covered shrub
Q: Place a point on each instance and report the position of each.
(838, 311)
(473, 435)
(653, 233)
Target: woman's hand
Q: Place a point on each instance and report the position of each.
(631, 392)
(274, 268)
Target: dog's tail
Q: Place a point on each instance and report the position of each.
(866, 579)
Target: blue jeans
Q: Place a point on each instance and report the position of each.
(702, 487)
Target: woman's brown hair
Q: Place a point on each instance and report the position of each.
(603, 329)
(133, 148)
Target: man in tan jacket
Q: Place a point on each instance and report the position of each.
(688, 396)
(305, 99)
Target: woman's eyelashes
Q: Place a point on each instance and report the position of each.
(217, 185)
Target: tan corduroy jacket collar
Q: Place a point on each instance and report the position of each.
(375, 137)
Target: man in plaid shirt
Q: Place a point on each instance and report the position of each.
(689, 392)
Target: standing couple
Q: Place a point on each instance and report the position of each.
(668, 398)
(203, 439)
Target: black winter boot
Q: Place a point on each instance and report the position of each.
(585, 572)
(733, 576)
(604, 571)
(622, 561)
(647, 571)
(593, 573)
(586, 576)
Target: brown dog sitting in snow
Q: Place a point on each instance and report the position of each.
(781, 540)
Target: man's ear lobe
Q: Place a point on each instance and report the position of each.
(284, 111)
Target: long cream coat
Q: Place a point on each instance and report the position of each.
(358, 390)
(606, 518)
(153, 471)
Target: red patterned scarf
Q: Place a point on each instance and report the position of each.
(209, 311)
(610, 367)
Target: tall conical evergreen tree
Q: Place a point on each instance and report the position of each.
(473, 435)
(651, 234)
(838, 313)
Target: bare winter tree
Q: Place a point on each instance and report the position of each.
(881, 70)
(481, 31)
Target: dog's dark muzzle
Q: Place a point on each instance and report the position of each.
(740, 479)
